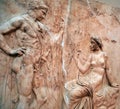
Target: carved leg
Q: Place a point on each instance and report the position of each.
(41, 96)
(24, 81)
(23, 102)
(78, 96)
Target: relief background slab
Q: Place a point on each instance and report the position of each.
(81, 21)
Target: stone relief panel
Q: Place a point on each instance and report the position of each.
(95, 86)
(55, 55)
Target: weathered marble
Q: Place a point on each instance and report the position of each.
(49, 56)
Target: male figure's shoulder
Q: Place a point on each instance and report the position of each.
(12, 24)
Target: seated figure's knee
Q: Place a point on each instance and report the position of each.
(79, 92)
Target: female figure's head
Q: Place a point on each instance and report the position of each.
(95, 44)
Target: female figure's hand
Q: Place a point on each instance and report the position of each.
(77, 55)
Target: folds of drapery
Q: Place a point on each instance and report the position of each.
(78, 95)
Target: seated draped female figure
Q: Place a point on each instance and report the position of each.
(96, 87)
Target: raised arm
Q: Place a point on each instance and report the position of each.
(83, 67)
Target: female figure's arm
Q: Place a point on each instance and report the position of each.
(83, 67)
(110, 77)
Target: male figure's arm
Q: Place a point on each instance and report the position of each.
(6, 29)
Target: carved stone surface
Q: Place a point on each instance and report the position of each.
(44, 50)
(95, 86)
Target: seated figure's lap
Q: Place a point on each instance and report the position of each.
(105, 97)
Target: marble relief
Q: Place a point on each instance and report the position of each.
(60, 55)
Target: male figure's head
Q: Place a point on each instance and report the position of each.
(37, 9)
